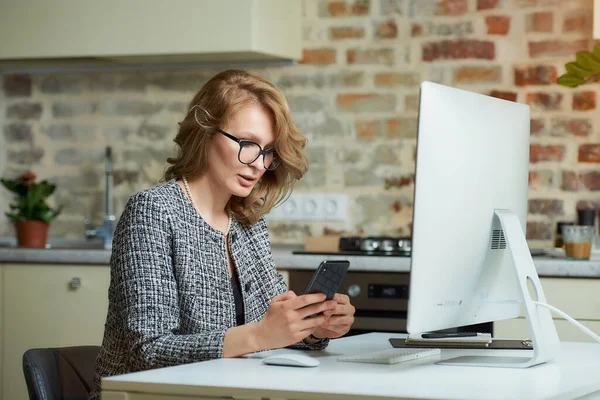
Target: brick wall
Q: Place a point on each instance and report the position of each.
(354, 95)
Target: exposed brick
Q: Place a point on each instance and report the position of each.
(397, 79)
(581, 204)
(544, 101)
(17, 85)
(401, 128)
(583, 101)
(500, 94)
(535, 75)
(367, 129)
(321, 79)
(540, 22)
(26, 157)
(589, 153)
(537, 127)
(557, 48)
(497, 24)
(417, 30)
(411, 102)
(318, 56)
(398, 182)
(458, 49)
(541, 179)
(24, 111)
(537, 230)
(366, 102)
(130, 107)
(569, 181)
(590, 180)
(153, 132)
(386, 30)
(579, 21)
(487, 4)
(539, 153)
(541, 3)
(571, 126)
(478, 74)
(429, 28)
(428, 8)
(550, 207)
(348, 156)
(388, 155)
(67, 83)
(346, 32)
(574, 182)
(392, 7)
(18, 133)
(73, 109)
(343, 8)
(125, 176)
(383, 56)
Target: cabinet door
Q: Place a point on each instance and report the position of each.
(49, 306)
(574, 296)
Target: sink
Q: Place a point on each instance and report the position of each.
(60, 244)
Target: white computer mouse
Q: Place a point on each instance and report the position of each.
(291, 360)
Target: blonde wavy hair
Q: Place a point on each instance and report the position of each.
(217, 101)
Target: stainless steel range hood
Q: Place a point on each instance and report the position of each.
(109, 32)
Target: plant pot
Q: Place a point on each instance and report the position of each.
(31, 233)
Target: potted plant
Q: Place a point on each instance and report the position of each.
(585, 68)
(31, 215)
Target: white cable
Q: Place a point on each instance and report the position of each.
(570, 319)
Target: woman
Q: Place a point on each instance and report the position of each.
(192, 274)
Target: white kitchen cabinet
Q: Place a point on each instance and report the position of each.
(578, 297)
(146, 31)
(48, 306)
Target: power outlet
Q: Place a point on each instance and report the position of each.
(311, 207)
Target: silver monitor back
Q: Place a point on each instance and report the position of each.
(472, 158)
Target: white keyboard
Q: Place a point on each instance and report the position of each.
(390, 356)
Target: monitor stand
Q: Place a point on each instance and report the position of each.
(539, 320)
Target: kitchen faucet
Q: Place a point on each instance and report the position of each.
(107, 229)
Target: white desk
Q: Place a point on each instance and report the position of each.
(574, 374)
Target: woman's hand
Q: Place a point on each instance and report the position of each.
(286, 322)
(339, 320)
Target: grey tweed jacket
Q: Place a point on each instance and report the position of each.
(170, 294)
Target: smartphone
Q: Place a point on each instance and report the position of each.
(328, 277)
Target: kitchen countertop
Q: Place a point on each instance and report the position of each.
(285, 259)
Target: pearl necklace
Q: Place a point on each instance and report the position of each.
(189, 193)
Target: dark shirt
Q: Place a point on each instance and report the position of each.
(238, 300)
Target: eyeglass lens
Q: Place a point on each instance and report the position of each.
(249, 152)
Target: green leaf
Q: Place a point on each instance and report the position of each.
(12, 216)
(575, 69)
(569, 80)
(588, 61)
(50, 214)
(46, 189)
(596, 50)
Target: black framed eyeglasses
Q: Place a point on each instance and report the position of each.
(250, 151)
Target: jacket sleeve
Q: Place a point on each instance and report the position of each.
(281, 287)
(144, 291)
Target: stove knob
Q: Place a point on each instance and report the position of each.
(354, 290)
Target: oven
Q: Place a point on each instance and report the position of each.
(380, 298)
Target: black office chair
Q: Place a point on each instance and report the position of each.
(64, 373)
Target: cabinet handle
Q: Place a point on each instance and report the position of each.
(75, 283)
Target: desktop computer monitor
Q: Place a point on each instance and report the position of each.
(470, 260)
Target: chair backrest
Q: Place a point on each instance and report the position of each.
(60, 373)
